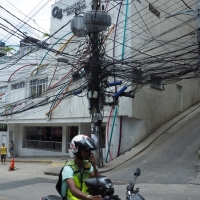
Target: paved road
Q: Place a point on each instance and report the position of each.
(167, 166)
(28, 182)
(171, 159)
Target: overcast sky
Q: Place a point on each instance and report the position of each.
(36, 13)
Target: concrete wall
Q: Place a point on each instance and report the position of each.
(133, 131)
(159, 106)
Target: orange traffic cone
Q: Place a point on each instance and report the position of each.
(12, 165)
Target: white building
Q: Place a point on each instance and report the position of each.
(38, 79)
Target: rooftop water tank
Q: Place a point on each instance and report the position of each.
(2, 44)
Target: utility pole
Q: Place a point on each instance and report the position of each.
(198, 31)
(94, 93)
(93, 23)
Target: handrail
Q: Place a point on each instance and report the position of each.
(43, 145)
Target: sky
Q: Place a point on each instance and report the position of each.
(36, 13)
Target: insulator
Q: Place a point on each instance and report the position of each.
(115, 83)
(62, 59)
(119, 92)
(78, 92)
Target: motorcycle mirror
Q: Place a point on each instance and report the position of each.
(137, 172)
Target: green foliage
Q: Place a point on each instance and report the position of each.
(7, 49)
(46, 35)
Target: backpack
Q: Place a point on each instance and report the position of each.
(59, 183)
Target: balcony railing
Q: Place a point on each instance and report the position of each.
(44, 145)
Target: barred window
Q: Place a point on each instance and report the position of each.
(18, 85)
(156, 82)
(38, 87)
(3, 127)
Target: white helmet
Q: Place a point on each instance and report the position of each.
(81, 142)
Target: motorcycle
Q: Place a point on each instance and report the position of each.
(132, 194)
(104, 186)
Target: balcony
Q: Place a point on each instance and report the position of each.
(43, 145)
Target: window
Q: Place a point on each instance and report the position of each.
(3, 127)
(44, 133)
(3, 94)
(38, 87)
(156, 82)
(137, 75)
(18, 85)
(45, 138)
(73, 131)
(154, 10)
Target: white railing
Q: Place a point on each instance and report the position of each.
(44, 145)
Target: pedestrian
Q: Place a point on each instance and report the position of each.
(3, 152)
(81, 168)
(11, 148)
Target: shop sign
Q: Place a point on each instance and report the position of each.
(57, 12)
(76, 7)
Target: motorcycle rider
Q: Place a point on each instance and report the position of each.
(81, 168)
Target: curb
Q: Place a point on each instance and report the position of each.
(52, 173)
(32, 161)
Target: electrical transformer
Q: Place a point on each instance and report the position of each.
(97, 21)
(78, 26)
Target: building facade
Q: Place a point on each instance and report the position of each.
(42, 119)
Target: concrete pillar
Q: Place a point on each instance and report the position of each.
(198, 30)
(85, 129)
(17, 139)
(64, 139)
(13, 130)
